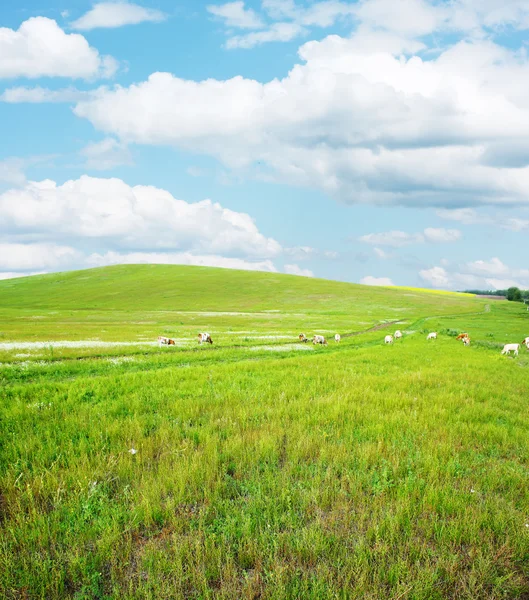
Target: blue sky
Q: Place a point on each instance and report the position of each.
(375, 141)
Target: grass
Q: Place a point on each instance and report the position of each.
(358, 470)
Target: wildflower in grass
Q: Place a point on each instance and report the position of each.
(133, 451)
(472, 491)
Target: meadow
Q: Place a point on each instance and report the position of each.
(260, 467)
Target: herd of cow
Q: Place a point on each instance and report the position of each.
(320, 339)
(465, 338)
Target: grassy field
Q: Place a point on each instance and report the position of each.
(264, 468)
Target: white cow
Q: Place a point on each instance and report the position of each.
(319, 339)
(508, 348)
(302, 338)
(204, 337)
(432, 336)
(398, 334)
(337, 337)
(526, 343)
(388, 339)
(165, 341)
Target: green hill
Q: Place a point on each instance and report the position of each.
(185, 288)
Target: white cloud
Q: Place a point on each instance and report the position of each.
(406, 17)
(360, 125)
(106, 154)
(479, 274)
(324, 14)
(492, 267)
(280, 9)
(40, 48)
(370, 280)
(178, 258)
(116, 14)
(234, 14)
(395, 239)
(136, 218)
(278, 32)
(440, 235)
(11, 171)
(297, 270)
(382, 254)
(466, 216)
(35, 256)
(515, 224)
(469, 216)
(437, 277)
(39, 94)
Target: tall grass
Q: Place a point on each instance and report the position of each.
(358, 470)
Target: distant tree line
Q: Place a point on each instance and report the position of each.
(513, 293)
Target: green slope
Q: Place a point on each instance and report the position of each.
(185, 288)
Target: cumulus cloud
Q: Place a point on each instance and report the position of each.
(106, 154)
(178, 258)
(480, 274)
(133, 217)
(297, 270)
(440, 235)
(35, 256)
(437, 277)
(395, 239)
(399, 239)
(11, 171)
(116, 14)
(370, 280)
(40, 48)
(382, 254)
(38, 94)
(234, 14)
(278, 32)
(360, 124)
(469, 216)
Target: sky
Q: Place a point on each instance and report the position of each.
(383, 142)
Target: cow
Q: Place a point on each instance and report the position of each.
(466, 341)
(526, 343)
(319, 339)
(165, 341)
(432, 335)
(204, 338)
(508, 348)
(388, 339)
(337, 338)
(398, 334)
(462, 336)
(303, 338)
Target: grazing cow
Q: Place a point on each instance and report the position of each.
(319, 339)
(303, 338)
(508, 348)
(204, 337)
(466, 341)
(165, 341)
(462, 336)
(337, 337)
(526, 343)
(398, 334)
(432, 336)
(388, 339)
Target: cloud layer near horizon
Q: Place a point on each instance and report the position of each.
(94, 222)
